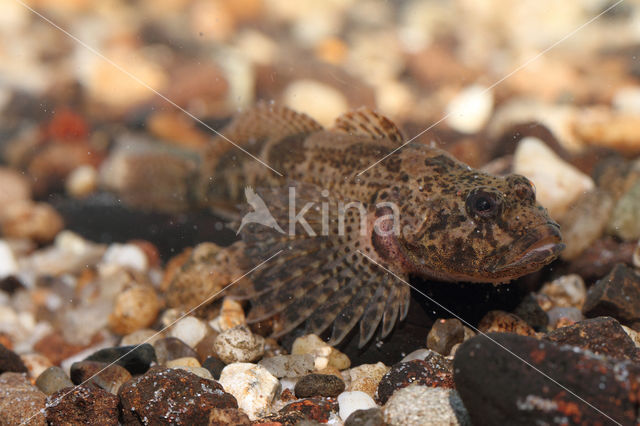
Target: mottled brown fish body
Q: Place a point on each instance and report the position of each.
(456, 223)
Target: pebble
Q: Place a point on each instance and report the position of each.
(14, 188)
(563, 317)
(326, 385)
(624, 217)
(319, 100)
(325, 355)
(504, 322)
(52, 380)
(107, 376)
(602, 335)
(365, 378)
(183, 362)
(34, 221)
(36, 363)
(214, 365)
(136, 359)
(444, 334)
(616, 295)
(82, 181)
(190, 330)
(196, 275)
(172, 395)
(470, 110)
(231, 315)
(369, 417)
(424, 406)
(127, 256)
(566, 291)
(145, 335)
(585, 221)
(531, 312)
(20, 400)
(205, 347)
(10, 361)
(8, 261)
(289, 365)
(134, 309)
(252, 385)
(228, 416)
(84, 404)
(239, 345)
(171, 348)
(198, 371)
(558, 183)
(350, 402)
(497, 387)
(318, 410)
(434, 372)
(634, 335)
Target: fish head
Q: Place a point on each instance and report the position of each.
(464, 225)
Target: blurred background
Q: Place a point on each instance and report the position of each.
(477, 76)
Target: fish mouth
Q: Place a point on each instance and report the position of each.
(532, 251)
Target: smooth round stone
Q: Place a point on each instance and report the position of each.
(136, 359)
(198, 371)
(52, 380)
(370, 417)
(354, 401)
(107, 377)
(187, 361)
(289, 365)
(319, 385)
(190, 330)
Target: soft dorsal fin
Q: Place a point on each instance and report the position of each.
(270, 121)
(365, 122)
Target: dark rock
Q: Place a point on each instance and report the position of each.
(85, 405)
(602, 335)
(319, 385)
(497, 387)
(136, 359)
(107, 376)
(228, 416)
(293, 418)
(10, 284)
(444, 334)
(531, 312)
(10, 361)
(435, 371)
(370, 417)
(20, 401)
(616, 295)
(318, 409)
(214, 365)
(52, 380)
(157, 394)
(171, 348)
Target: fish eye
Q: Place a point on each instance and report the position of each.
(482, 203)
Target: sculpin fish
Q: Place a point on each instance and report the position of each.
(454, 224)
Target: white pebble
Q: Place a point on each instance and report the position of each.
(469, 111)
(252, 385)
(82, 181)
(354, 401)
(319, 100)
(8, 263)
(558, 183)
(127, 255)
(190, 330)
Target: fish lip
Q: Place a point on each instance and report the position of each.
(538, 253)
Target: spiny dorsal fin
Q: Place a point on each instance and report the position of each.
(365, 122)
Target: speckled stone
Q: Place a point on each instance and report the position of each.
(319, 385)
(84, 404)
(424, 406)
(20, 400)
(52, 380)
(157, 395)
